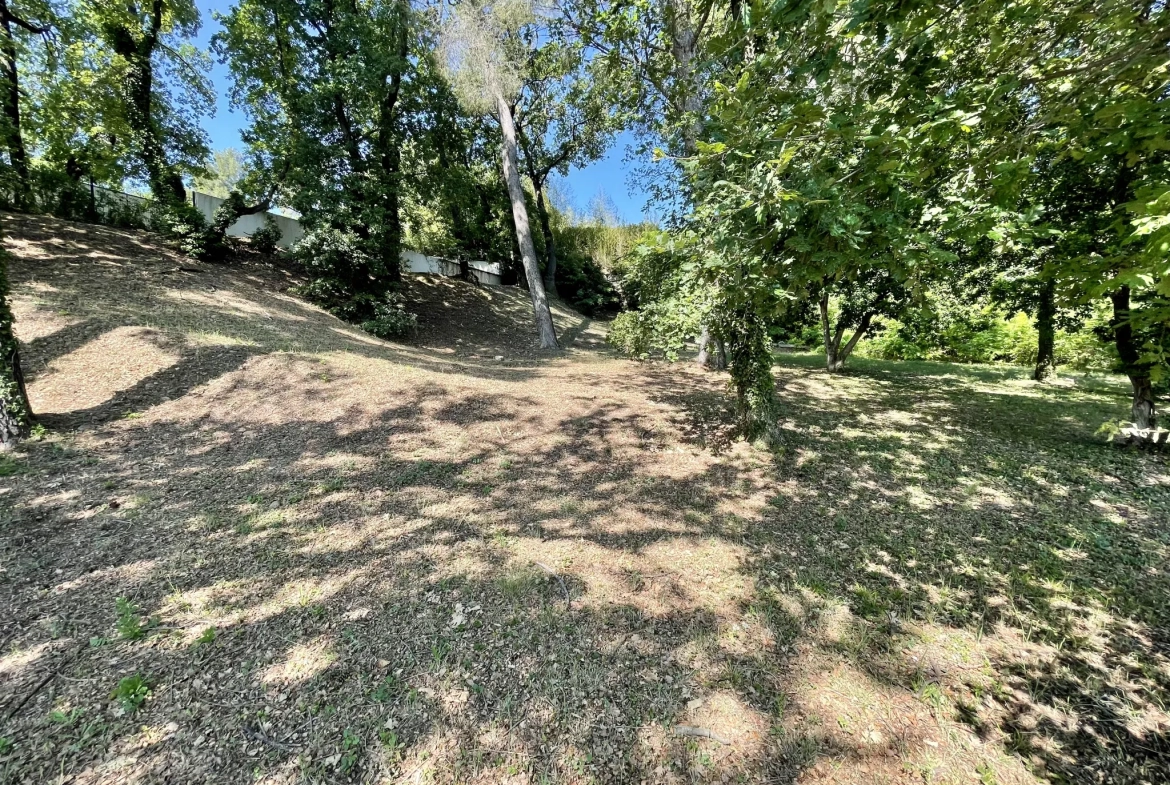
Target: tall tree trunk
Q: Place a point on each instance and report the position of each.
(15, 413)
(390, 152)
(550, 247)
(1142, 411)
(541, 312)
(1046, 330)
(14, 141)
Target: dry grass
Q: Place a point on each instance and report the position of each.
(336, 551)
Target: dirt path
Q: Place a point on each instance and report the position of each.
(345, 560)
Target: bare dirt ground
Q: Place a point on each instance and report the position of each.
(256, 545)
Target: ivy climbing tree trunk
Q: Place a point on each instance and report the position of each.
(1046, 332)
(543, 316)
(1143, 411)
(15, 412)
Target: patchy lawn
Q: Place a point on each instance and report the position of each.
(256, 545)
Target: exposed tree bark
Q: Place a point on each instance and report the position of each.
(458, 220)
(550, 244)
(15, 412)
(1143, 411)
(1046, 330)
(14, 141)
(712, 351)
(390, 152)
(541, 312)
(835, 353)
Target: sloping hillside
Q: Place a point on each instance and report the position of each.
(115, 319)
(256, 545)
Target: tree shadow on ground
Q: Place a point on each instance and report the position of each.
(368, 561)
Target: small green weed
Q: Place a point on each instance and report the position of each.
(131, 692)
(10, 466)
(129, 625)
(63, 717)
(206, 637)
(385, 690)
(351, 749)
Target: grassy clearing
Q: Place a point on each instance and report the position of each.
(317, 557)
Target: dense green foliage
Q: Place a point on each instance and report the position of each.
(912, 143)
(984, 182)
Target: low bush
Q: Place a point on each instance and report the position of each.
(266, 238)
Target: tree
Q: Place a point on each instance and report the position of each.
(223, 174)
(164, 86)
(10, 20)
(565, 121)
(484, 49)
(15, 412)
(323, 86)
(905, 129)
(874, 293)
(663, 46)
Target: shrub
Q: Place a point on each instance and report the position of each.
(660, 329)
(391, 319)
(338, 264)
(265, 238)
(583, 285)
(331, 256)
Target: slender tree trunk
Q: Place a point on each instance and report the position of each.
(1046, 330)
(541, 312)
(15, 412)
(831, 340)
(835, 353)
(550, 248)
(1143, 411)
(15, 141)
(843, 353)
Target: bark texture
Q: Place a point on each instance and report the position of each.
(541, 312)
(1046, 330)
(1143, 411)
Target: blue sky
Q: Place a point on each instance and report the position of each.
(610, 174)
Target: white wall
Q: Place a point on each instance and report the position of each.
(290, 228)
(291, 231)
